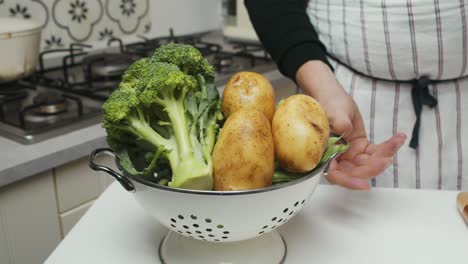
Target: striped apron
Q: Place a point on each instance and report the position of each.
(396, 57)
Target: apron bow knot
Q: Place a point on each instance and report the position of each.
(420, 96)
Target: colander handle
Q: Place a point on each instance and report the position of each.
(124, 181)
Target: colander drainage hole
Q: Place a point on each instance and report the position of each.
(296, 203)
(186, 227)
(273, 227)
(217, 240)
(198, 232)
(179, 231)
(273, 219)
(173, 220)
(209, 230)
(261, 232)
(173, 226)
(281, 219)
(188, 232)
(201, 236)
(264, 227)
(180, 217)
(211, 235)
(193, 217)
(303, 201)
(224, 237)
(285, 210)
(226, 232)
(208, 220)
(219, 226)
(292, 212)
(195, 225)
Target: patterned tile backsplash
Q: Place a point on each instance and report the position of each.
(90, 21)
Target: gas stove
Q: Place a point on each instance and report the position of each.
(66, 97)
(31, 114)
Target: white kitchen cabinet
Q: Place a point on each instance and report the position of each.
(77, 183)
(71, 217)
(30, 228)
(4, 256)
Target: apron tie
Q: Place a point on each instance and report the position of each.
(420, 96)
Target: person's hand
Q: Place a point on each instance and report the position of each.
(363, 160)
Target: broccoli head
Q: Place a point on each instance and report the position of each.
(186, 57)
(168, 105)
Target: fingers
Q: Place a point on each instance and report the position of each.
(341, 125)
(338, 177)
(374, 152)
(369, 170)
(356, 177)
(387, 148)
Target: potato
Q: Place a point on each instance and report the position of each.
(300, 131)
(249, 89)
(243, 157)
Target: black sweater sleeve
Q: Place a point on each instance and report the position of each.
(285, 31)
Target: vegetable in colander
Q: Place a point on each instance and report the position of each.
(166, 110)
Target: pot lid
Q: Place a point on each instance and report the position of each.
(15, 25)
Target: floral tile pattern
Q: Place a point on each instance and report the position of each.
(53, 42)
(127, 7)
(30, 9)
(20, 11)
(127, 13)
(77, 17)
(106, 34)
(68, 21)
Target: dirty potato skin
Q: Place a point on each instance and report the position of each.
(243, 157)
(249, 89)
(300, 131)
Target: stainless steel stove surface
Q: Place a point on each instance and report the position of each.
(32, 114)
(57, 100)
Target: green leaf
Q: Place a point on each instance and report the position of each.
(212, 93)
(122, 152)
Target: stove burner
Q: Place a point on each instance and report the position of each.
(106, 65)
(12, 91)
(226, 63)
(10, 95)
(223, 60)
(33, 117)
(49, 103)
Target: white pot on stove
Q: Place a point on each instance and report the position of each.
(19, 48)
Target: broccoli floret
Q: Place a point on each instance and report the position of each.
(187, 58)
(169, 105)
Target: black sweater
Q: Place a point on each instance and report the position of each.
(284, 28)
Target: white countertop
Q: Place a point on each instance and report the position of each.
(336, 226)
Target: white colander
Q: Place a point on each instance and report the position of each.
(206, 221)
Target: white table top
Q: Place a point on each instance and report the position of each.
(336, 226)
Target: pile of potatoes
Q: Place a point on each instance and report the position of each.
(256, 134)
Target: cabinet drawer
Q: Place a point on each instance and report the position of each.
(4, 255)
(77, 184)
(30, 228)
(70, 218)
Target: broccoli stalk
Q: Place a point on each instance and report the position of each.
(168, 104)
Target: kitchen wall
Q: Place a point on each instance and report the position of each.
(185, 16)
(95, 21)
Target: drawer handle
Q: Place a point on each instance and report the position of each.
(124, 181)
